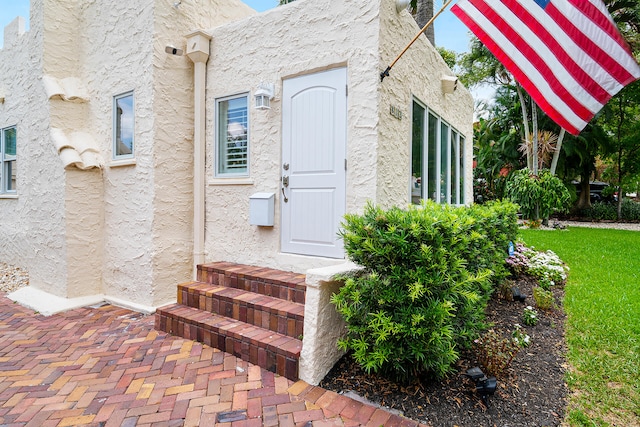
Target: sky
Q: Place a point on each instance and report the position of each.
(450, 32)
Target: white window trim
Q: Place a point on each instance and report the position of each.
(114, 123)
(4, 193)
(230, 178)
(458, 151)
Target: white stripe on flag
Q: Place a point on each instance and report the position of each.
(583, 60)
(523, 64)
(559, 71)
(573, 74)
(601, 37)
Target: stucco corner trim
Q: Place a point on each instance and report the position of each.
(77, 150)
(67, 89)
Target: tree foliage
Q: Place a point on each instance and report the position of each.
(613, 135)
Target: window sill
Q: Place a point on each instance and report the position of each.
(231, 181)
(124, 162)
(8, 196)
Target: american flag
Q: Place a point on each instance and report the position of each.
(567, 54)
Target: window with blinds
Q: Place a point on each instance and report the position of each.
(232, 137)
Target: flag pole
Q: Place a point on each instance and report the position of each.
(385, 73)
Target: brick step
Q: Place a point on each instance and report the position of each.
(270, 350)
(278, 315)
(266, 281)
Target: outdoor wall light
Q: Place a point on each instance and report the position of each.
(485, 387)
(263, 95)
(449, 84)
(402, 5)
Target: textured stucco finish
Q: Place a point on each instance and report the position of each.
(323, 325)
(416, 75)
(301, 38)
(32, 226)
(123, 231)
(126, 230)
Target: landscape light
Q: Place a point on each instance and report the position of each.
(484, 386)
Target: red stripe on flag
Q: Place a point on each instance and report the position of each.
(535, 59)
(602, 21)
(592, 71)
(617, 71)
(516, 71)
(561, 55)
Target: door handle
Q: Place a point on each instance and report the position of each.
(285, 183)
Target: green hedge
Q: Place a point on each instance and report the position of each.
(427, 277)
(609, 211)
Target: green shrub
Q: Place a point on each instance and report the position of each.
(630, 210)
(600, 211)
(538, 195)
(543, 298)
(425, 284)
(495, 350)
(605, 211)
(530, 316)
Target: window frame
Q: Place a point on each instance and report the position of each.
(447, 148)
(217, 172)
(6, 161)
(116, 128)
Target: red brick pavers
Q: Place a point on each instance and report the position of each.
(108, 367)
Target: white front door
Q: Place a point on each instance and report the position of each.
(313, 166)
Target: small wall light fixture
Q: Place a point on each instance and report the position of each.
(402, 5)
(449, 84)
(485, 387)
(263, 95)
(172, 50)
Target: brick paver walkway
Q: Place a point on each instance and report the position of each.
(107, 366)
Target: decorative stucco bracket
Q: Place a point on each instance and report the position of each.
(68, 89)
(198, 51)
(79, 149)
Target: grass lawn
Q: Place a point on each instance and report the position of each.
(602, 302)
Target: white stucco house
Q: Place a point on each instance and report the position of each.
(125, 163)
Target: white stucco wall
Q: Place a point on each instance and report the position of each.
(124, 231)
(299, 38)
(172, 230)
(32, 232)
(416, 75)
(304, 37)
(147, 203)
